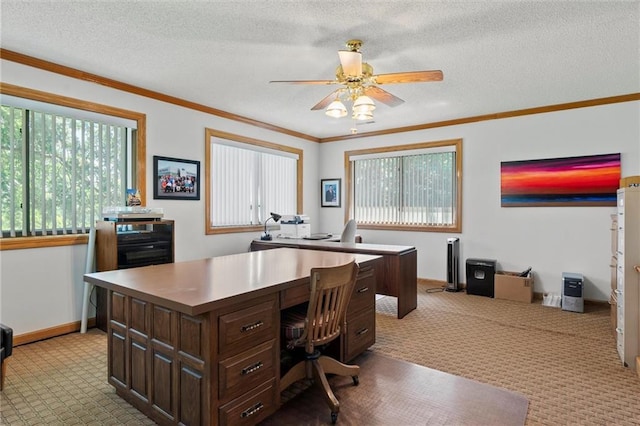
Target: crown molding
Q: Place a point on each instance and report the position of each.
(114, 84)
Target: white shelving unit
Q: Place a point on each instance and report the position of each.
(628, 283)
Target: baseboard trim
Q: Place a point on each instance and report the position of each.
(437, 283)
(47, 333)
(593, 302)
(432, 283)
(601, 303)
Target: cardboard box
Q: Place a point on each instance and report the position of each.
(628, 181)
(509, 286)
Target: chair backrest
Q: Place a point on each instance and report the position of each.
(349, 232)
(331, 290)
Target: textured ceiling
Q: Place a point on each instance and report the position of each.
(495, 56)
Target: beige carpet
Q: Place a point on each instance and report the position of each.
(564, 363)
(63, 381)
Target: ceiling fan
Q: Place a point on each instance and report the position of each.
(359, 85)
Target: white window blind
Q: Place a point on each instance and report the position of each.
(58, 171)
(247, 184)
(398, 189)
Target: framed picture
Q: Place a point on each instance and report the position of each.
(590, 180)
(330, 192)
(175, 179)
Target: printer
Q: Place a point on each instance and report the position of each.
(295, 226)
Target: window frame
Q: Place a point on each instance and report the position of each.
(348, 168)
(14, 243)
(210, 133)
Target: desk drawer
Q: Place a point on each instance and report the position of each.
(246, 370)
(361, 333)
(250, 408)
(247, 326)
(295, 295)
(364, 292)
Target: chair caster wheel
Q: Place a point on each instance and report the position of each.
(356, 380)
(334, 417)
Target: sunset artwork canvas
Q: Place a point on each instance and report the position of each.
(572, 181)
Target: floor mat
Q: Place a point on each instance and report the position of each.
(394, 392)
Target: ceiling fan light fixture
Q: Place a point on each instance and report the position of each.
(363, 104)
(359, 85)
(336, 109)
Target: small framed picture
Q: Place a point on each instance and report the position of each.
(175, 179)
(330, 192)
(133, 197)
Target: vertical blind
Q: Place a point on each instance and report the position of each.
(58, 172)
(417, 189)
(248, 184)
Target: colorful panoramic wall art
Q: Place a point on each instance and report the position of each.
(572, 181)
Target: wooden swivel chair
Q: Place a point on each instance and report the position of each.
(331, 290)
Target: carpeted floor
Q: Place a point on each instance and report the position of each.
(63, 381)
(564, 363)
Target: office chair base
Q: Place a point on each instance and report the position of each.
(316, 368)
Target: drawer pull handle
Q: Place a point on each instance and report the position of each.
(251, 326)
(363, 331)
(363, 289)
(252, 410)
(250, 369)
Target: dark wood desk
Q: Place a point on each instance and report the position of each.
(397, 278)
(199, 342)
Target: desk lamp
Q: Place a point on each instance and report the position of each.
(267, 236)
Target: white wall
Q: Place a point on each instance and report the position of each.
(42, 288)
(550, 239)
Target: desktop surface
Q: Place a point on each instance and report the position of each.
(333, 244)
(196, 286)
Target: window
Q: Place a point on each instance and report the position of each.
(61, 166)
(416, 187)
(247, 179)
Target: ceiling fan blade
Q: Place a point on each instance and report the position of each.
(351, 63)
(326, 101)
(323, 82)
(383, 96)
(409, 77)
